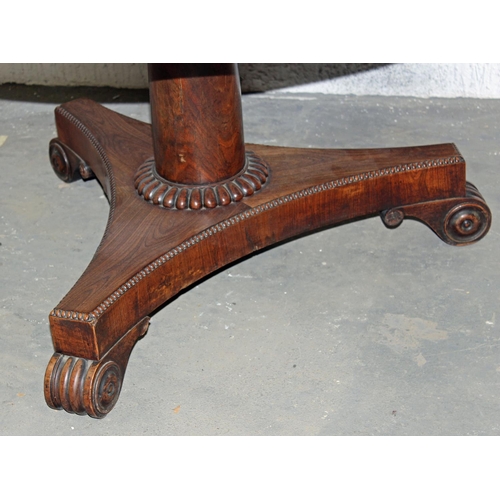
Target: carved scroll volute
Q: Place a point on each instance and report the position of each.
(197, 122)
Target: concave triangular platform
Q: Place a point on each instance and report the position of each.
(162, 237)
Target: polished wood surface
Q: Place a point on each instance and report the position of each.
(163, 235)
(197, 122)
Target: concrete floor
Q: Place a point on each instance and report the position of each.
(354, 330)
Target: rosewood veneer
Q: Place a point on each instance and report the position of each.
(187, 196)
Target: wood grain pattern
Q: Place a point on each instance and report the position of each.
(155, 245)
(197, 122)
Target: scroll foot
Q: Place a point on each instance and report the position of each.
(457, 221)
(67, 165)
(90, 387)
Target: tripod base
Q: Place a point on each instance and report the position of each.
(162, 237)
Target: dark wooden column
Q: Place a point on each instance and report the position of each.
(197, 122)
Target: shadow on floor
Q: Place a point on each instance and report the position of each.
(255, 77)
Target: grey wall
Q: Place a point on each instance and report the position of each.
(478, 80)
(76, 74)
(417, 80)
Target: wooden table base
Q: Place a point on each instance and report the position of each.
(169, 228)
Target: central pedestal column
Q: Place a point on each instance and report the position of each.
(197, 122)
(200, 159)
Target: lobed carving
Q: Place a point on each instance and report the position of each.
(165, 194)
(81, 386)
(90, 387)
(64, 388)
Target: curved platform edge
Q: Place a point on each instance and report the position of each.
(220, 244)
